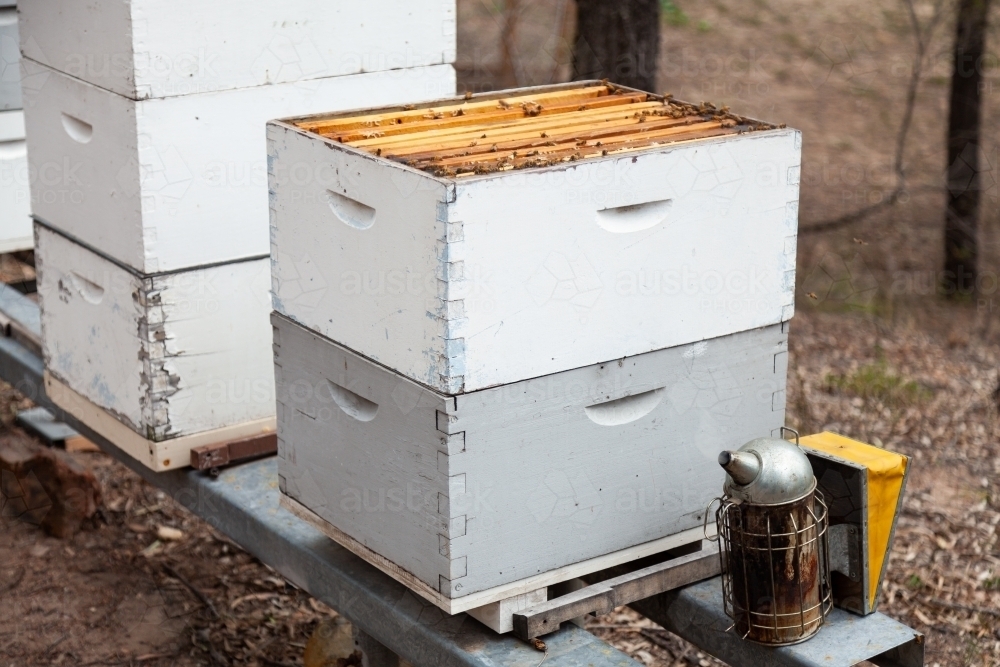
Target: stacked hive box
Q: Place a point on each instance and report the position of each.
(513, 332)
(15, 205)
(147, 149)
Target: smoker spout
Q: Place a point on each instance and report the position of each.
(743, 467)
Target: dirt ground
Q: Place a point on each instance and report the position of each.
(875, 355)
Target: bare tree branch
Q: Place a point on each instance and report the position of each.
(922, 36)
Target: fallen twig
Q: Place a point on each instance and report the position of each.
(923, 37)
(964, 607)
(187, 584)
(655, 638)
(15, 582)
(56, 643)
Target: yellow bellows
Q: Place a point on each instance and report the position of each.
(886, 473)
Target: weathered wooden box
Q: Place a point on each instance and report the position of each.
(477, 497)
(156, 363)
(173, 183)
(478, 242)
(15, 196)
(10, 57)
(151, 48)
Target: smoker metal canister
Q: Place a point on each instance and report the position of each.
(773, 529)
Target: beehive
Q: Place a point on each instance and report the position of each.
(15, 200)
(144, 49)
(475, 242)
(174, 183)
(157, 364)
(480, 497)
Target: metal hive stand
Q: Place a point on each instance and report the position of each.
(394, 623)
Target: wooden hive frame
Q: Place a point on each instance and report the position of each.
(482, 134)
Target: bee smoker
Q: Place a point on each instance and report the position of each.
(773, 532)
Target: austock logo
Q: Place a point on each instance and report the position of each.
(288, 59)
(570, 278)
(835, 60)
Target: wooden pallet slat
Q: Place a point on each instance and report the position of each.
(603, 597)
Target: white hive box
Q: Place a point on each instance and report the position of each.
(479, 497)
(473, 243)
(158, 364)
(10, 57)
(150, 48)
(172, 183)
(15, 197)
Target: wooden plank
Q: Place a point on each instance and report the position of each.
(331, 125)
(569, 151)
(607, 138)
(499, 616)
(521, 137)
(498, 130)
(158, 456)
(498, 116)
(208, 457)
(78, 443)
(604, 597)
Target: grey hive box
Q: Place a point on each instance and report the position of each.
(474, 498)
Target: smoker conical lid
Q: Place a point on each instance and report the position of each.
(785, 473)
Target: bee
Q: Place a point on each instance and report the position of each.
(531, 108)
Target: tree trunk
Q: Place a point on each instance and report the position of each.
(618, 40)
(964, 118)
